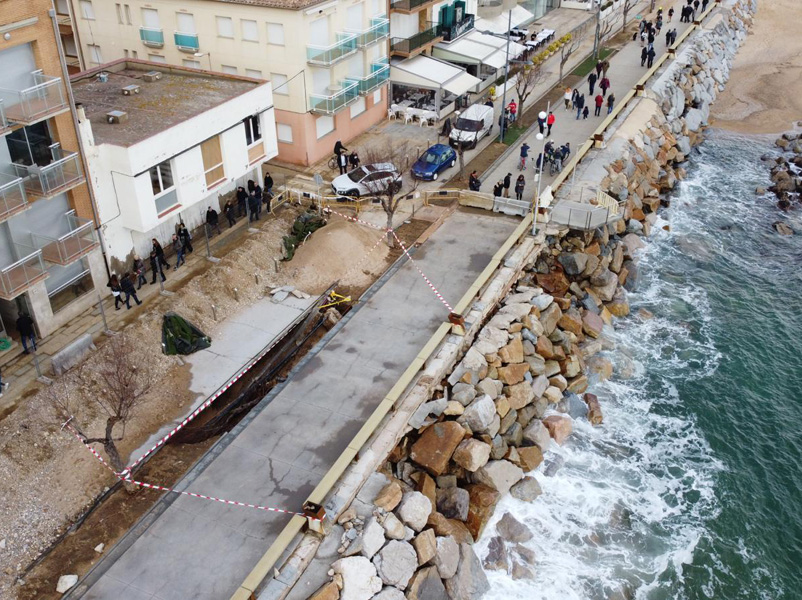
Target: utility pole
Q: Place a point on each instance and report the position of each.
(506, 76)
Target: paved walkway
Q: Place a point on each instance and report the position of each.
(624, 73)
(191, 548)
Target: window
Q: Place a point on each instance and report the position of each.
(134, 54)
(324, 125)
(161, 178)
(250, 30)
(229, 70)
(127, 15)
(253, 133)
(87, 11)
(377, 96)
(194, 64)
(94, 54)
(119, 14)
(212, 161)
(62, 7)
(358, 107)
(157, 58)
(125, 53)
(225, 27)
(150, 18)
(275, 34)
(255, 73)
(186, 23)
(280, 85)
(284, 133)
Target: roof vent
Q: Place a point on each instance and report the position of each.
(128, 90)
(152, 76)
(116, 116)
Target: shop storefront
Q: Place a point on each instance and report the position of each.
(429, 84)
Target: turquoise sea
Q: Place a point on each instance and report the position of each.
(693, 487)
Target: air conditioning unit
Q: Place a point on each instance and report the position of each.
(129, 90)
(116, 116)
(152, 76)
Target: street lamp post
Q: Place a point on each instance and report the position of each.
(506, 76)
(540, 138)
(202, 54)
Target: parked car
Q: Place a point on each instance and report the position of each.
(472, 125)
(437, 158)
(367, 180)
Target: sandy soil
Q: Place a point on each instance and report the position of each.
(764, 93)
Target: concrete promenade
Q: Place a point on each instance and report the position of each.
(191, 548)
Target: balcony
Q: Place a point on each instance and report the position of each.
(44, 98)
(378, 77)
(66, 249)
(345, 46)
(64, 24)
(409, 6)
(13, 199)
(410, 46)
(329, 105)
(18, 277)
(62, 173)
(154, 38)
(186, 42)
(5, 126)
(452, 32)
(378, 30)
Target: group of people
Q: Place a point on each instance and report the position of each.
(344, 159)
(688, 12)
(249, 202)
(502, 188)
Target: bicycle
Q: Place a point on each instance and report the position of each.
(522, 164)
(333, 163)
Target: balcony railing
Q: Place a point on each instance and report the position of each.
(378, 30)
(188, 42)
(5, 126)
(452, 32)
(63, 173)
(155, 37)
(18, 277)
(330, 105)
(13, 199)
(409, 5)
(377, 78)
(66, 249)
(44, 98)
(346, 45)
(408, 46)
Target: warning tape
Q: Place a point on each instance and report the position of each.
(422, 274)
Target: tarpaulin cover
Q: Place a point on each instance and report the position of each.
(179, 336)
(305, 224)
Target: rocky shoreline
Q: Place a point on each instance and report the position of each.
(786, 177)
(524, 379)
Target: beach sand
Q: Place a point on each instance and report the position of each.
(764, 93)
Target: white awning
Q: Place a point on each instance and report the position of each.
(427, 72)
(501, 23)
(476, 48)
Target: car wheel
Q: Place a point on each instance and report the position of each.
(435, 176)
(354, 193)
(453, 162)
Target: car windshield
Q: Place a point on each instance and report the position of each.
(469, 125)
(357, 175)
(430, 158)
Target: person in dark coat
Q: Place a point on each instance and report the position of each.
(473, 182)
(116, 290)
(519, 187)
(253, 208)
(212, 220)
(26, 331)
(242, 201)
(610, 102)
(157, 248)
(592, 82)
(604, 84)
(228, 210)
(156, 266)
(268, 194)
(127, 286)
(354, 160)
(599, 67)
(650, 54)
(178, 248)
(339, 148)
(139, 271)
(643, 56)
(498, 189)
(185, 237)
(507, 183)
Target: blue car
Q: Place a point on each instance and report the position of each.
(434, 160)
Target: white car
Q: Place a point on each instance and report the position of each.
(367, 180)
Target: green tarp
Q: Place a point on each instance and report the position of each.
(179, 336)
(304, 225)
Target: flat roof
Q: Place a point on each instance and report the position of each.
(180, 94)
(285, 4)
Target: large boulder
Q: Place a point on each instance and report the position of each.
(447, 558)
(393, 527)
(472, 454)
(389, 593)
(491, 387)
(604, 283)
(594, 409)
(529, 457)
(520, 394)
(512, 352)
(330, 591)
(453, 503)
(425, 545)
(470, 581)
(619, 304)
(483, 502)
(592, 324)
(559, 427)
(478, 417)
(540, 385)
(574, 263)
(464, 393)
(542, 302)
(512, 530)
(536, 434)
(434, 448)
(372, 538)
(450, 527)
(426, 585)
(360, 581)
(414, 510)
(526, 490)
(550, 317)
(512, 374)
(499, 475)
(571, 321)
(389, 496)
(554, 283)
(496, 558)
(396, 563)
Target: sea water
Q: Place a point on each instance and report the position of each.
(692, 488)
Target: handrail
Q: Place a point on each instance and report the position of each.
(416, 40)
(45, 97)
(345, 45)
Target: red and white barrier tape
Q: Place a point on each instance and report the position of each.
(422, 274)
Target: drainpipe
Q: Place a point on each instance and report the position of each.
(65, 75)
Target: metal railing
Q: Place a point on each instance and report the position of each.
(409, 4)
(346, 45)
(66, 249)
(409, 45)
(186, 41)
(452, 32)
(19, 276)
(379, 29)
(153, 37)
(12, 196)
(368, 83)
(62, 174)
(336, 102)
(39, 101)
(4, 124)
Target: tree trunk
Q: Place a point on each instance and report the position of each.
(114, 455)
(390, 236)
(461, 155)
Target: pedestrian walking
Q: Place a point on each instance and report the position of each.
(498, 189)
(580, 104)
(604, 84)
(610, 102)
(473, 182)
(541, 124)
(704, 5)
(599, 103)
(670, 14)
(550, 123)
(212, 220)
(116, 290)
(668, 38)
(127, 286)
(156, 267)
(598, 68)
(139, 270)
(257, 193)
(242, 201)
(658, 25)
(673, 36)
(524, 156)
(507, 183)
(605, 67)
(26, 332)
(269, 186)
(185, 237)
(228, 211)
(644, 54)
(253, 208)
(574, 98)
(354, 160)
(178, 248)
(567, 98)
(585, 113)
(342, 161)
(591, 82)
(650, 55)
(643, 38)
(513, 108)
(157, 248)
(519, 187)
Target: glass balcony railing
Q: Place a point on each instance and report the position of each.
(345, 46)
(5, 126)
(43, 98)
(13, 199)
(378, 30)
(17, 277)
(154, 37)
(186, 41)
(452, 32)
(408, 46)
(334, 103)
(409, 5)
(66, 249)
(61, 174)
(378, 77)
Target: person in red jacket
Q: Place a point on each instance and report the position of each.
(549, 123)
(599, 103)
(513, 110)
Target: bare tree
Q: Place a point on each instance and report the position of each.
(626, 6)
(386, 187)
(123, 376)
(528, 78)
(571, 46)
(607, 26)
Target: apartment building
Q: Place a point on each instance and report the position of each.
(327, 60)
(163, 143)
(50, 257)
(69, 37)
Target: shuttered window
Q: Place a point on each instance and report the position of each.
(212, 161)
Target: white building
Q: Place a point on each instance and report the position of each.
(162, 143)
